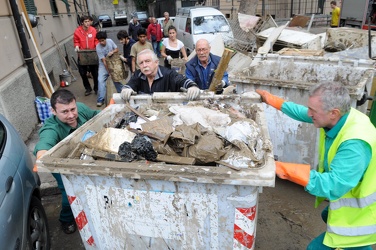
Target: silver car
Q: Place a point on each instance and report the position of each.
(22, 217)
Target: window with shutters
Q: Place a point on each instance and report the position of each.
(67, 5)
(54, 9)
(30, 7)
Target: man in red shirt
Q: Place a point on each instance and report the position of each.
(84, 38)
(155, 35)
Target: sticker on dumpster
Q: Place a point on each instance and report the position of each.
(244, 228)
(118, 212)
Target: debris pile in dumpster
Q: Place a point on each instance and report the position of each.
(201, 133)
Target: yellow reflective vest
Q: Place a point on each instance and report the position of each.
(352, 218)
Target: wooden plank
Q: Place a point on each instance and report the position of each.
(220, 71)
(37, 50)
(42, 82)
(176, 159)
(300, 52)
(136, 112)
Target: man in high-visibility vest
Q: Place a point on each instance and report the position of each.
(347, 166)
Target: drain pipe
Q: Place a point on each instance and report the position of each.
(25, 50)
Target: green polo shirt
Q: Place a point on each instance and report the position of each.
(53, 130)
(347, 167)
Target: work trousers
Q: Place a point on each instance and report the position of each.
(317, 243)
(66, 214)
(83, 69)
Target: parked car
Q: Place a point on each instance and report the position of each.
(105, 20)
(22, 217)
(120, 17)
(194, 23)
(142, 17)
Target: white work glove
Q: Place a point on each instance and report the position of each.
(126, 94)
(219, 87)
(123, 58)
(193, 93)
(77, 49)
(169, 59)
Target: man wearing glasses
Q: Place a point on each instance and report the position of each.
(201, 67)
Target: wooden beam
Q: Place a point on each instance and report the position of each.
(220, 71)
(39, 56)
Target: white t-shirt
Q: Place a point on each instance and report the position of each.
(166, 44)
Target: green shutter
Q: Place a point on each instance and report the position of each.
(66, 2)
(66, 5)
(30, 7)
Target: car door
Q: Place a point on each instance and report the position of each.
(12, 194)
(185, 32)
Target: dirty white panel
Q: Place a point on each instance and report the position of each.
(128, 214)
(297, 38)
(290, 77)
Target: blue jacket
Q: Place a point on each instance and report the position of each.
(193, 71)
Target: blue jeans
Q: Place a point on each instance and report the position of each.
(156, 48)
(317, 243)
(102, 78)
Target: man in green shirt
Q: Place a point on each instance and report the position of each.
(347, 166)
(67, 117)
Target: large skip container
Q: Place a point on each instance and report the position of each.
(153, 205)
(290, 77)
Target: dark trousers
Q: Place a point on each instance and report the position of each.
(66, 214)
(83, 69)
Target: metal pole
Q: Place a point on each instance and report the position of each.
(292, 8)
(263, 8)
(25, 49)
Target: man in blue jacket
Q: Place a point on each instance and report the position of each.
(201, 68)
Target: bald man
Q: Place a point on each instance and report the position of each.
(201, 67)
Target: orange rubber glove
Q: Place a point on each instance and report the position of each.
(298, 173)
(270, 99)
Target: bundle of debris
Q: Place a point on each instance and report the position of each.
(204, 133)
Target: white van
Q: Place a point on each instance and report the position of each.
(194, 23)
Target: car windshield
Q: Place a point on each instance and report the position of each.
(104, 17)
(210, 24)
(142, 16)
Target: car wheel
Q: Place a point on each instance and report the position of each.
(37, 226)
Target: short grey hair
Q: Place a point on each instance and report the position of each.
(333, 96)
(154, 57)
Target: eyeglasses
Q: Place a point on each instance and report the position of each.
(202, 50)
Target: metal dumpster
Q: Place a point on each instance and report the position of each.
(290, 77)
(154, 205)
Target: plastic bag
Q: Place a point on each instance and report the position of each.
(43, 105)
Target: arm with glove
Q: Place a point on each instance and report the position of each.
(126, 93)
(297, 173)
(270, 99)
